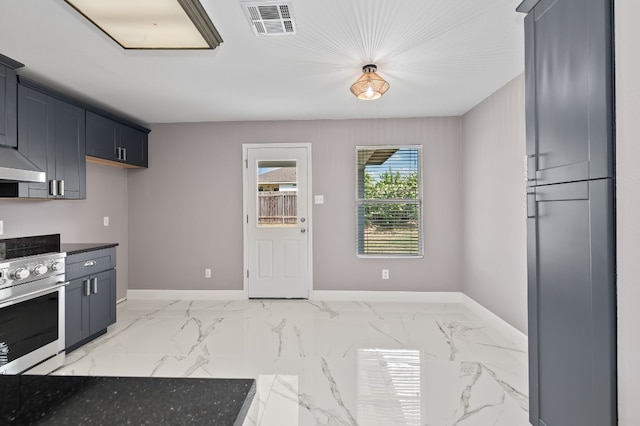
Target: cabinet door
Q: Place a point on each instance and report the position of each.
(76, 312)
(36, 137)
(102, 137)
(102, 301)
(569, 88)
(572, 306)
(135, 143)
(8, 107)
(70, 150)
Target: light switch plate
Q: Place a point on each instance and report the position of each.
(319, 199)
(106, 221)
(1, 227)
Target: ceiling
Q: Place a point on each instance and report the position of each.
(441, 58)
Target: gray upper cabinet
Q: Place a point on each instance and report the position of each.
(8, 107)
(569, 90)
(102, 137)
(115, 142)
(134, 144)
(51, 133)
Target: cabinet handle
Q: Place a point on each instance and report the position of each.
(53, 187)
(531, 165)
(61, 187)
(87, 290)
(532, 210)
(89, 263)
(124, 156)
(94, 282)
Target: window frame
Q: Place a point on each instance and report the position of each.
(419, 201)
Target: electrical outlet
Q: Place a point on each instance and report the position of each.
(106, 220)
(1, 227)
(207, 273)
(385, 274)
(319, 199)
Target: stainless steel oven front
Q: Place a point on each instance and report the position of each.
(32, 317)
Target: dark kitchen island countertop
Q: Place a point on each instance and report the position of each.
(92, 400)
(75, 248)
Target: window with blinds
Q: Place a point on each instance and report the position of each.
(389, 201)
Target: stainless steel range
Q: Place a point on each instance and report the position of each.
(32, 320)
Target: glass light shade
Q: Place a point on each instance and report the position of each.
(152, 24)
(370, 85)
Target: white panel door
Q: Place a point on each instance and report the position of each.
(277, 238)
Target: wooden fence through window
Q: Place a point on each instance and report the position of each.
(277, 207)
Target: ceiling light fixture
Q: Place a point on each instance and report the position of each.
(152, 24)
(370, 85)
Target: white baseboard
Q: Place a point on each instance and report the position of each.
(186, 294)
(388, 296)
(512, 333)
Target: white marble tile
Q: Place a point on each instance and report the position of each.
(276, 401)
(467, 393)
(325, 363)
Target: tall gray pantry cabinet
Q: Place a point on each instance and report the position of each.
(570, 212)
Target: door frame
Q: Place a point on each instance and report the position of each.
(246, 194)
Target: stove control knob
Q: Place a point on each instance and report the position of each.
(57, 266)
(40, 269)
(21, 274)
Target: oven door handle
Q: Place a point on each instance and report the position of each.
(33, 294)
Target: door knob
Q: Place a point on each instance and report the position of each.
(303, 220)
(303, 230)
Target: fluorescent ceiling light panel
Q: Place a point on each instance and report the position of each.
(152, 24)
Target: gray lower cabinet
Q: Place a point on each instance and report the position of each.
(90, 300)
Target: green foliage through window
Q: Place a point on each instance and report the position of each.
(389, 201)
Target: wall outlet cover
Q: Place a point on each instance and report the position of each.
(319, 199)
(385, 274)
(207, 273)
(106, 220)
(1, 227)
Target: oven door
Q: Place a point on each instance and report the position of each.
(32, 329)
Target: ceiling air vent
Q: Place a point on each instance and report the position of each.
(270, 18)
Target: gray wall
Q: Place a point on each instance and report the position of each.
(494, 222)
(187, 208)
(79, 221)
(628, 208)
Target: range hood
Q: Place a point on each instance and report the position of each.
(15, 167)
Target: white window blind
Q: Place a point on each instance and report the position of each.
(389, 200)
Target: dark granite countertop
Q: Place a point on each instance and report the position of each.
(84, 247)
(74, 400)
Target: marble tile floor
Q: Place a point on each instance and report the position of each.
(325, 363)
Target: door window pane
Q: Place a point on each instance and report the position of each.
(277, 201)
